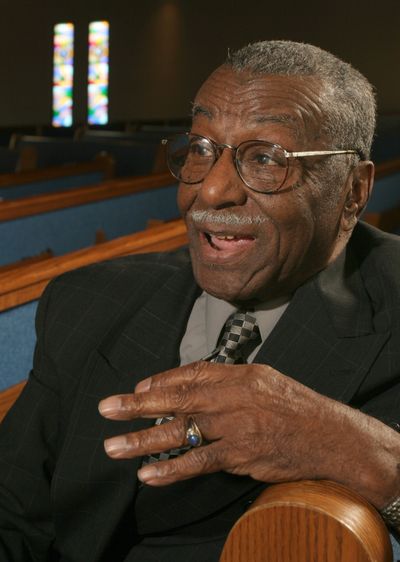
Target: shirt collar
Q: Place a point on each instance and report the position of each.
(218, 311)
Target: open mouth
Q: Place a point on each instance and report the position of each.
(221, 242)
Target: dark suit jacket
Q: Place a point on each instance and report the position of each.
(103, 328)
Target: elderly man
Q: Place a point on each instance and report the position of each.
(291, 301)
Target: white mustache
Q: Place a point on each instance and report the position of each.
(224, 217)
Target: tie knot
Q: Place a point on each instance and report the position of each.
(240, 329)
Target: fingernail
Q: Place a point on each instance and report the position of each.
(147, 473)
(110, 406)
(115, 446)
(143, 386)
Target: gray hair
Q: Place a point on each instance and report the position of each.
(348, 101)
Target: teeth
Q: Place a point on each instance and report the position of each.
(228, 237)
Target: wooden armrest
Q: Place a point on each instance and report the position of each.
(309, 522)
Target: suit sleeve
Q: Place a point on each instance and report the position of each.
(28, 443)
(386, 406)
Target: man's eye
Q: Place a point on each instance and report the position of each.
(264, 159)
(200, 150)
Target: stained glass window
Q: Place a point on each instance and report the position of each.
(63, 73)
(98, 73)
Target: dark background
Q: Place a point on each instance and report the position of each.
(161, 50)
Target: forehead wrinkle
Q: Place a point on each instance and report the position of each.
(285, 119)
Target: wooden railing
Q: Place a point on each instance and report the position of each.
(36, 204)
(102, 163)
(23, 262)
(27, 283)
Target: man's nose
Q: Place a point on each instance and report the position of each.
(222, 186)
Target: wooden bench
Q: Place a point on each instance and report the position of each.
(27, 284)
(118, 187)
(13, 160)
(68, 220)
(131, 157)
(56, 178)
(45, 255)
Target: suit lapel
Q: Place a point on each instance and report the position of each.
(149, 341)
(326, 338)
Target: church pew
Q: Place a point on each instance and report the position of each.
(8, 159)
(14, 160)
(67, 220)
(154, 134)
(131, 158)
(20, 291)
(56, 178)
(46, 254)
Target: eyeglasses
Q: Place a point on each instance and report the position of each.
(263, 166)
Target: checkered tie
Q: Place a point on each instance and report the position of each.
(240, 336)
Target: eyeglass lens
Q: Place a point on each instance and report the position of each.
(262, 166)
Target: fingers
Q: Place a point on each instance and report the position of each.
(171, 435)
(218, 397)
(203, 460)
(146, 405)
(255, 421)
(159, 438)
(197, 372)
(189, 389)
(154, 404)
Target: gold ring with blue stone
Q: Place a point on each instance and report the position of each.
(193, 434)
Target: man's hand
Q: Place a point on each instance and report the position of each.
(256, 422)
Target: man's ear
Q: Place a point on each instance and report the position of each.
(359, 188)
